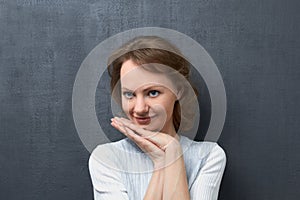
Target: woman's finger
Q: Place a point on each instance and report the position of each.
(156, 154)
(140, 141)
(137, 129)
(161, 140)
(119, 126)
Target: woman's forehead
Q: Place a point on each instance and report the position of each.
(133, 76)
(127, 66)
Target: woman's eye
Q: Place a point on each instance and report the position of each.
(153, 93)
(128, 95)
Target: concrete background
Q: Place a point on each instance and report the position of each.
(254, 43)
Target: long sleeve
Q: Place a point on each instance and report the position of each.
(121, 171)
(107, 183)
(207, 183)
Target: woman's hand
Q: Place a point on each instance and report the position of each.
(155, 144)
(166, 153)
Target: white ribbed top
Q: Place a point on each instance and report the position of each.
(120, 170)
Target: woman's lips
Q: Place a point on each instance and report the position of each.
(143, 120)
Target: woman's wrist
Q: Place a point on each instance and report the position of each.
(173, 147)
(159, 165)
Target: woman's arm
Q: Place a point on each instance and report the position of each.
(207, 184)
(175, 179)
(155, 187)
(169, 182)
(106, 181)
(169, 179)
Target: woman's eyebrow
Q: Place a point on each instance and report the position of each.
(146, 88)
(124, 88)
(154, 86)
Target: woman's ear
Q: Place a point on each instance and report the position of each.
(179, 93)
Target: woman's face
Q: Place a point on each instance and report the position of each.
(147, 98)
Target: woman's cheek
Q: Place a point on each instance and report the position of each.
(159, 119)
(126, 107)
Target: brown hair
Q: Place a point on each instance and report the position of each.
(144, 50)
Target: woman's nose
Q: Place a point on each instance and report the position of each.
(140, 106)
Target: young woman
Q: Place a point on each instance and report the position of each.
(150, 80)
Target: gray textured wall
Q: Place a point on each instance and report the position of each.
(254, 43)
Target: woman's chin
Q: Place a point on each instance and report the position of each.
(155, 127)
